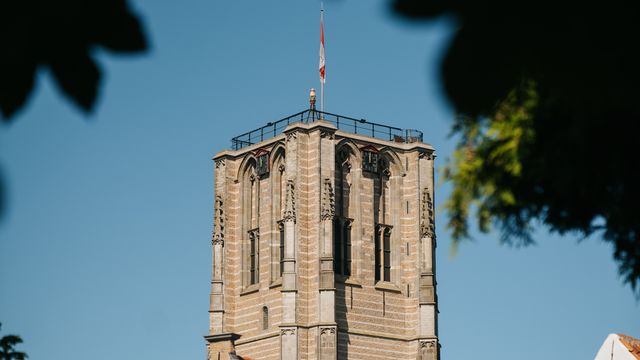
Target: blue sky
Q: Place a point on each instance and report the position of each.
(105, 248)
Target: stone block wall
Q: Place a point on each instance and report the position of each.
(312, 312)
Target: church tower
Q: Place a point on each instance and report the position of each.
(323, 243)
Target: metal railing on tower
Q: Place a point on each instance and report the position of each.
(344, 123)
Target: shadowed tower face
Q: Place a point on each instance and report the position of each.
(323, 243)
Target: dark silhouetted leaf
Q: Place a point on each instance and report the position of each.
(79, 77)
(61, 34)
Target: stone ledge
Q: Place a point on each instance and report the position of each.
(385, 336)
(258, 338)
(350, 281)
(250, 289)
(222, 337)
(276, 283)
(387, 286)
(427, 303)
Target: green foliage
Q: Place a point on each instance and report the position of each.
(7, 344)
(550, 119)
(488, 155)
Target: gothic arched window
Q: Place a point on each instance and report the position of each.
(383, 216)
(250, 190)
(342, 222)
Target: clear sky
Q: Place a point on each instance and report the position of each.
(105, 248)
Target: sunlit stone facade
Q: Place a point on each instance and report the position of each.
(323, 248)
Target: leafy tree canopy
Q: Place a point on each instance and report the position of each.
(60, 35)
(548, 102)
(7, 344)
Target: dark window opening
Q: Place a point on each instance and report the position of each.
(281, 249)
(382, 250)
(387, 254)
(377, 255)
(262, 168)
(342, 246)
(253, 258)
(370, 161)
(346, 238)
(265, 318)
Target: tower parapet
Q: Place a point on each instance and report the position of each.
(340, 122)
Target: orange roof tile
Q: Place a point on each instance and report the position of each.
(632, 344)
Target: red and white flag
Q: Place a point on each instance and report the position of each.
(321, 68)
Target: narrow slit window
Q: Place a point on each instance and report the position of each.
(377, 255)
(346, 238)
(281, 249)
(387, 254)
(253, 258)
(265, 318)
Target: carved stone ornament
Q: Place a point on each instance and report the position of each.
(218, 221)
(328, 201)
(344, 159)
(426, 155)
(285, 332)
(383, 165)
(348, 223)
(328, 338)
(290, 203)
(281, 168)
(327, 135)
(429, 344)
(220, 163)
(328, 330)
(346, 166)
(427, 224)
(292, 136)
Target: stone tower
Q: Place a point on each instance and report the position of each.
(323, 243)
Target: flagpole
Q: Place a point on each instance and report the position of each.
(322, 80)
(322, 97)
